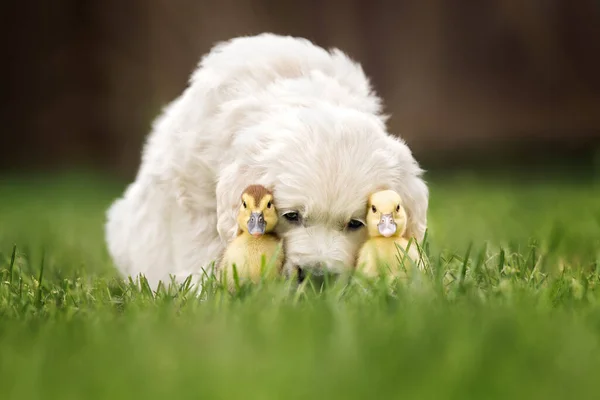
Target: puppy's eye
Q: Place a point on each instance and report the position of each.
(244, 204)
(354, 224)
(292, 216)
(269, 205)
(398, 208)
(374, 209)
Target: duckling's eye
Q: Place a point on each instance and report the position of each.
(398, 208)
(269, 204)
(354, 224)
(374, 209)
(292, 216)
(244, 204)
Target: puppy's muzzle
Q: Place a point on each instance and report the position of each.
(319, 270)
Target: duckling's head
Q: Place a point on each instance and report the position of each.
(386, 216)
(257, 214)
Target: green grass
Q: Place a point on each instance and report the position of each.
(518, 317)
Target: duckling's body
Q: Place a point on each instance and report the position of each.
(385, 250)
(247, 252)
(255, 241)
(386, 253)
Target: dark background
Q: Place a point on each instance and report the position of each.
(466, 82)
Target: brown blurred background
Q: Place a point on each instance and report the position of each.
(463, 80)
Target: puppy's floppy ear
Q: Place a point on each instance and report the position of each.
(231, 183)
(408, 182)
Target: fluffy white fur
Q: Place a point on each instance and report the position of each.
(271, 110)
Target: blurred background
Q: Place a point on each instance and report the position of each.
(476, 87)
(467, 82)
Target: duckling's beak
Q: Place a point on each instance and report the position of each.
(257, 224)
(386, 226)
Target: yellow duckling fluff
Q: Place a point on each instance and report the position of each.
(257, 218)
(386, 226)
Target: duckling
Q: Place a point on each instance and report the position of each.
(255, 239)
(386, 225)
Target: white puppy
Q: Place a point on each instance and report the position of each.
(271, 110)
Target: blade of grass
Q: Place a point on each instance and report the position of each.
(12, 264)
(501, 260)
(236, 278)
(145, 286)
(477, 272)
(38, 300)
(463, 271)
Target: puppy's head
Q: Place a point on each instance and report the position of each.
(322, 164)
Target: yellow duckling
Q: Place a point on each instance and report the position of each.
(256, 219)
(386, 225)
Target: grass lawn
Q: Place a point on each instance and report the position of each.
(510, 308)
